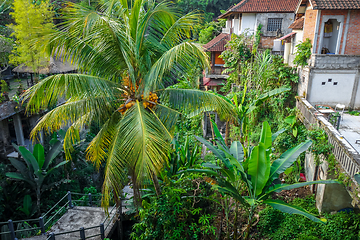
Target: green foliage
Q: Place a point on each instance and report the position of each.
(354, 113)
(321, 146)
(257, 39)
(182, 211)
(2, 208)
(211, 8)
(28, 208)
(274, 224)
(211, 30)
(256, 171)
(303, 53)
(4, 87)
(183, 156)
(32, 22)
(6, 46)
(37, 168)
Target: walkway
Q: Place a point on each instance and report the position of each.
(350, 129)
(79, 217)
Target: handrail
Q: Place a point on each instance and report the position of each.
(55, 205)
(56, 213)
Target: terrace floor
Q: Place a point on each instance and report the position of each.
(350, 129)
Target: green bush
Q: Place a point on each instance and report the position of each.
(181, 212)
(274, 224)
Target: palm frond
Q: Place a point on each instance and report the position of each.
(75, 111)
(55, 88)
(194, 102)
(144, 141)
(182, 56)
(98, 149)
(93, 41)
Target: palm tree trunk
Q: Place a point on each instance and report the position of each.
(136, 188)
(156, 184)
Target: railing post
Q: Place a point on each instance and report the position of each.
(338, 122)
(102, 231)
(41, 224)
(69, 199)
(90, 200)
(11, 229)
(82, 233)
(52, 236)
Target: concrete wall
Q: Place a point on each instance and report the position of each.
(287, 20)
(248, 22)
(303, 81)
(329, 197)
(331, 87)
(331, 79)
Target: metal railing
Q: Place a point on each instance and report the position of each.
(46, 220)
(101, 226)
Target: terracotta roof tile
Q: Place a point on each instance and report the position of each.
(218, 43)
(261, 6)
(298, 24)
(335, 4)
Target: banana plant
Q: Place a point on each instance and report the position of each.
(235, 173)
(36, 168)
(243, 109)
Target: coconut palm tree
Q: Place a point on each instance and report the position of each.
(127, 55)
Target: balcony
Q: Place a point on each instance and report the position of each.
(216, 72)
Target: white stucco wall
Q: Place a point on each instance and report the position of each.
(248, 22)
(296, 40)
(236, 27)
(329, 93)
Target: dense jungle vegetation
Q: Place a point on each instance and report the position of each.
(133, 115)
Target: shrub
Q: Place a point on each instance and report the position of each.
(274, 224)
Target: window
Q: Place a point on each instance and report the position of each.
(274, 24)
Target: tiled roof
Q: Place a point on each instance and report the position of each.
(263, 6)
(218, 43)
(298, 24)
(335, 4)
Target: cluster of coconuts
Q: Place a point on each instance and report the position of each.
(148, 102)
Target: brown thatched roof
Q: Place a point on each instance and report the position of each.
(55, 65)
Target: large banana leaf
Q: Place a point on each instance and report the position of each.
(278, 188)
(39, 154)
(266, 137)
(287, 158)
(20, 167)
(258, 168)
(51, 155)
(284, 207)
(237, 151)
(29, 158)
(20, 177)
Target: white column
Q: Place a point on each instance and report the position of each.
(287, 52)
(19, 130)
